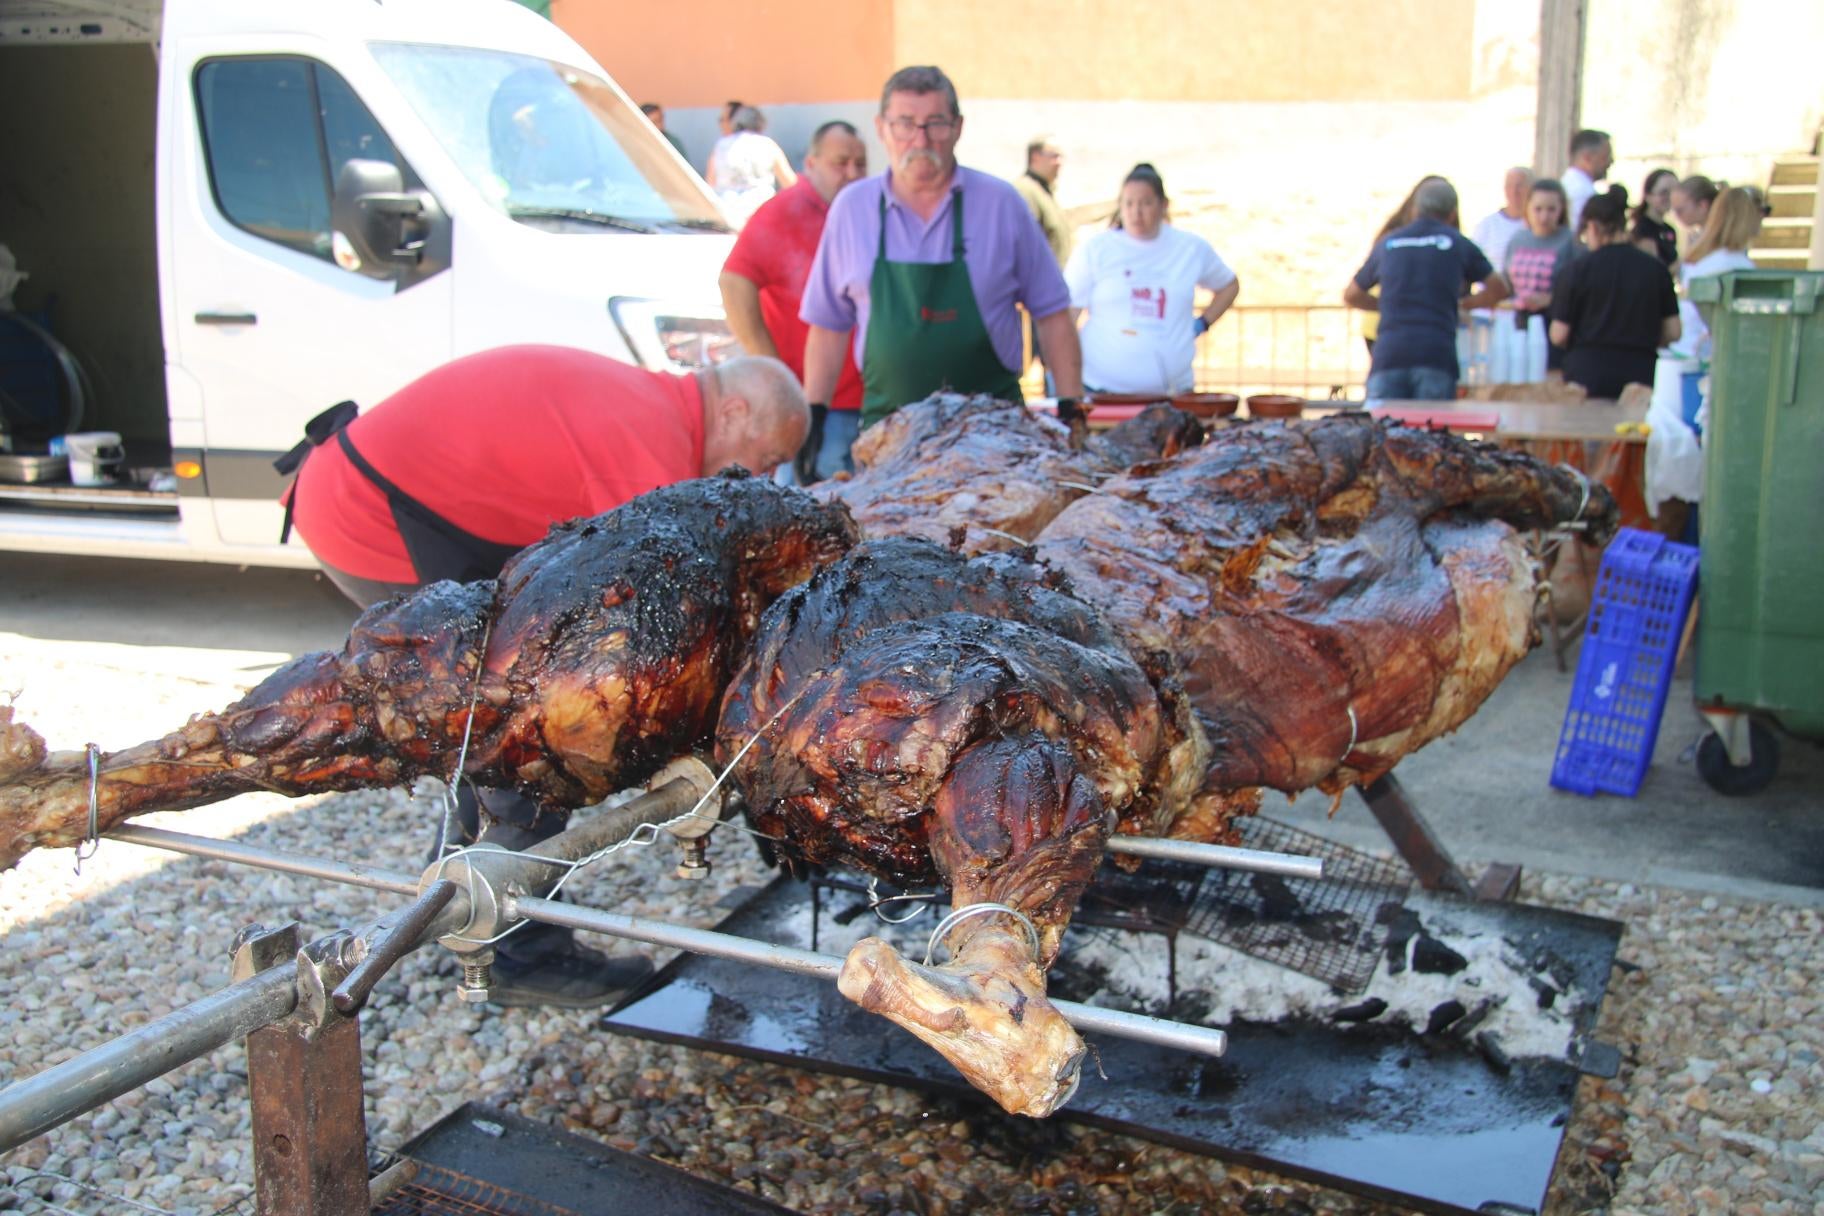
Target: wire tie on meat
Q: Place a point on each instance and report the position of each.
(453, 788)
(1018, 540)
(921, 900)
(959, 915)
(91, 841)
(1077, 485)
(1584, 482)
(1354, 734)
(642, 835)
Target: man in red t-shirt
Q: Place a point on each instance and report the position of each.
(457, 471)
(763, 280)
(477, 459)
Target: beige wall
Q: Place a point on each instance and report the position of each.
(1713, 86)
(1194, 50)
(700, 52)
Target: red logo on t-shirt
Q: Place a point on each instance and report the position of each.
(936, 316)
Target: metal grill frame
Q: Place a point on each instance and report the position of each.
(1358, 890)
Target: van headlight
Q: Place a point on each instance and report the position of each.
(668, 336)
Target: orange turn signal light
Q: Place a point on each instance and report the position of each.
(189, 470)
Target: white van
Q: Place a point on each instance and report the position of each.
(342, 195)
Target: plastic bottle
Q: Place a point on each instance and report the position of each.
(1535, 349)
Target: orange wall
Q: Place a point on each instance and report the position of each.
(703, 52)
(700, 52)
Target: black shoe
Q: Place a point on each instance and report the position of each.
(578, 978)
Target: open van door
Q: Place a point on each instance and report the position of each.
(273, 315)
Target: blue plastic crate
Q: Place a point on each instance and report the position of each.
(1637, 614)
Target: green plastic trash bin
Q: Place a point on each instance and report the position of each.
(1760, 634)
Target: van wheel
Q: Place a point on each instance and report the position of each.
(1725, 778)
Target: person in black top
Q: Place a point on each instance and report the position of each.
(1650, 233)
(1613, 308)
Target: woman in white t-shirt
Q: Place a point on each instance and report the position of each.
(745, 166)
(1138, 281)
(1734, 220)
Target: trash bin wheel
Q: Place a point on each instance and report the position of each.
(1725, 778)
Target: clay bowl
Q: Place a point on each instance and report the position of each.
(1275, 405)
(1207, 405)
(1125, 398)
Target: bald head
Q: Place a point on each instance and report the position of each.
(753, 415)
(1436, 199)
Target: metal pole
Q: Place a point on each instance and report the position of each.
(1218, 856)
(1198, 1039)
(35, 1105)
(269, 859)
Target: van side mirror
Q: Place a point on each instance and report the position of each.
(382, 230)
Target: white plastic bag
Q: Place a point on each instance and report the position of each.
(1675, 459)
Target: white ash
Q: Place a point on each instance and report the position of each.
(1130, 972)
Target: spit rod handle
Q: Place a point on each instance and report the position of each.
(392, 943)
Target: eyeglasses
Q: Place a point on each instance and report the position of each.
(934, 128)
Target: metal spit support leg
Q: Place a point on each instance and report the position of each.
(304, 1080)
(1430, 862)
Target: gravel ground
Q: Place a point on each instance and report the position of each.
(1717, 1108)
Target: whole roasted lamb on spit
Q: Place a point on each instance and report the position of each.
(1286, 606)
(917, 714)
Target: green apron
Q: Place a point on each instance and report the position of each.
(925, 332)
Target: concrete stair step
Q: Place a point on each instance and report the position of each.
(1784, 234)
(1795, 171)
(1791, 202)
(1778, 259)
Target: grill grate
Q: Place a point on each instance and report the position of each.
(435, 1191)
(1333, 929)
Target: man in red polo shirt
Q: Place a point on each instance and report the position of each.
(462, 468)
(763, 280)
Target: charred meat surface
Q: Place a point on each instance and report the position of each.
(1335, 593)
(598, 655)
(993, 469)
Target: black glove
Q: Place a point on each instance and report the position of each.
(805, 463)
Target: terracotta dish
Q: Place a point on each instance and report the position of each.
(1207, 405)
(1125, 398)
(1275, 405)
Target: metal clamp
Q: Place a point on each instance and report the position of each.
(959, 915)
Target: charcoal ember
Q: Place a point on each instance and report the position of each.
(1443, 1015)
(1361, 1011)
(1492, 1051)
(1432, 957)
(1402, 923)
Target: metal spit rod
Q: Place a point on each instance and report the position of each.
(1198, 1039)
(35, 1105)
(1218, 856)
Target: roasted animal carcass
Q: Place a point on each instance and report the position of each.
(600, 654)
(1337, 593)
(993, 469)
(976, 724)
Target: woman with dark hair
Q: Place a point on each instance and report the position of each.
(1614, 307)
(1537, 255)
(1691, 201)
(1139, 280)
(1650, 230)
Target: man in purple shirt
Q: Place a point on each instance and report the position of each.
(926, 264)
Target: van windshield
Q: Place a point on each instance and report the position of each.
(548, 144)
